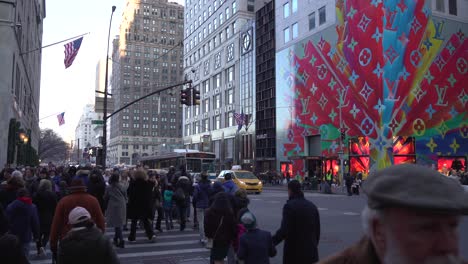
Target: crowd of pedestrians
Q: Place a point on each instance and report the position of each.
(69, 209)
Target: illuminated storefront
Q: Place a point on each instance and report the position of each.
(398, 96)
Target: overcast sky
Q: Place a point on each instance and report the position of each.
(69, 90)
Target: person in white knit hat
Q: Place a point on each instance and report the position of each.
(85, 243)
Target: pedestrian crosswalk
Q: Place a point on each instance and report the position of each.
(171, 246)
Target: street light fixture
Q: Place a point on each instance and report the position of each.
(104, 128)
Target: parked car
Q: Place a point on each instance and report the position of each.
(243, 179)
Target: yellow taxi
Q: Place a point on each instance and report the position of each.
(243, 179)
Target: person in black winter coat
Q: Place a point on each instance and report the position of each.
(8, 191)
(241, 201)
(220, 225)
(11, 251)
(46, 202)
(3, 222)
(156, 201)
(140, 194)
(182, 193)
(215, 189)
(300, 228)
(97, 188)
(85, 243)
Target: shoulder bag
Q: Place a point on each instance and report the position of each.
(209, 241)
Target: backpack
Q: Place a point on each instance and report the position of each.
(179, 195)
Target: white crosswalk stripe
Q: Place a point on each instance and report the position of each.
(167, 244)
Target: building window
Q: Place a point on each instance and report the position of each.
(217, 122)
(286, 10)
(322, 15)
(453, 7)
(205, 125)
(228, 13)
(229, 96)
(286, 35)
(217, 102)
(217, 80)
(230, 119)
(206, 86)
(312, 21)
(234, 7)
(440, 6)
(221, 18)
(228, 32)
(294, 6)
(206, 105)
(295, 31)
(230, 74)
(136, 146)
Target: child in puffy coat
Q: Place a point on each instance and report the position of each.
(167, 205)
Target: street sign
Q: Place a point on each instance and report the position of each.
(97, 122)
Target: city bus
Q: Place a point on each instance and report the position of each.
(194, 161)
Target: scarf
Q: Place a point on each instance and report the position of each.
(26, 200)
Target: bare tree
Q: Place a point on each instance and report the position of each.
(52, 147)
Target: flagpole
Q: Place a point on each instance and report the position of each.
(58, 42)
(50, 115)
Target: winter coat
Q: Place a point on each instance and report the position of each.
(139, 199)
(230, 187)
(215, 189)
(79, 197)
(167, 204)
(3, 222)
(227, 229)
(23, 218)
(201, 194)
(46, 203)
(300, 230)
(116, 200)
(240, 206)
(8, 194)
(31, 183)
(11, 250)
(256, 247)
(98, 189)
(87, 245)
(186, 186)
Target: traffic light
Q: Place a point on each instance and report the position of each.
(185, 96)
(196, 97)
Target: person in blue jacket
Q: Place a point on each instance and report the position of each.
(24, 220)
(229, 185)
(256, 245)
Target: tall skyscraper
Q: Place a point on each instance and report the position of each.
(265, 122)
(147, 56)
(219, 58)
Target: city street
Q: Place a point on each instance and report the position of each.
(340, 225)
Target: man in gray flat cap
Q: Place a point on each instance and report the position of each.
(411, 217)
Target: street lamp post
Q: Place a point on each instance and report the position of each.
(104, 129)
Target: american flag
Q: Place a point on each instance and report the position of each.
(71, 50)
(240, 120)
(61, 119)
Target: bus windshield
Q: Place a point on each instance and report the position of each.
(194, 165)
